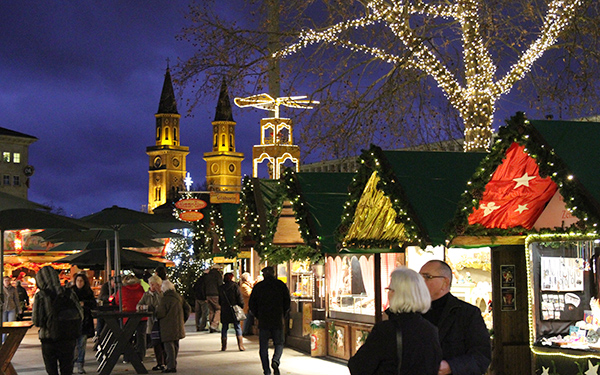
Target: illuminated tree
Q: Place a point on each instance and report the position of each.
(381, 85)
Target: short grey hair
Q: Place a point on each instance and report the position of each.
(167, 285)
(410, 292)
(155, 279)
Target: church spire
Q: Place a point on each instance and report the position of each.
(223, 112)
(167, 97)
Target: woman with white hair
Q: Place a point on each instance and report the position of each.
(172, 312)
(149, 302)
(419, 345)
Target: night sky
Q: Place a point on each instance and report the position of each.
(85, 78)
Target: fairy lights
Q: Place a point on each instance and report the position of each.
(475, 99)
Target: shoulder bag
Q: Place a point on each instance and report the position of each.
(238, 312)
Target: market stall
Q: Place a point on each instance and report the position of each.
(537, 189)
(398, 205)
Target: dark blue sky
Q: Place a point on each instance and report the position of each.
(85, 78)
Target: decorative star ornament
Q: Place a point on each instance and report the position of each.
(523, 180)
(593, 370)
(521, 208)
(489, 208)
(545, 370)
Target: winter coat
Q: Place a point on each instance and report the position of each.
(172, 312)
(200, 289)
(464, 338)
(246, 289)
(132, 294)
(48, 284)
(421, 351)
(269, 302)
(89, 302)
(212, 281)
(229, 295)
(11, 299)
(150, 299)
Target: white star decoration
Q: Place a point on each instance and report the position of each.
(593, 370)
(523, 180)
(489, 208)
(545, 370)
(522, 207)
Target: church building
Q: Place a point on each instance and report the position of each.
(167, 158)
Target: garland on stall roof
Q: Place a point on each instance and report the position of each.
(520, 130)
(374, 160)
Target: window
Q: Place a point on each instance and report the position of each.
(16, 157)
(158, 133)
(6, 179)
(166, 134)
(16, 181)
(6, 157)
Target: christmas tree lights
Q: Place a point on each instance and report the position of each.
(475, 98)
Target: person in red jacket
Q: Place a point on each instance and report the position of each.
(132, 293)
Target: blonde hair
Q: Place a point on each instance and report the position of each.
(410, 292)
(155, 279)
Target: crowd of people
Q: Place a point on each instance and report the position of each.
(427, 330)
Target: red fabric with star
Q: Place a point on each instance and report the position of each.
(507, 203)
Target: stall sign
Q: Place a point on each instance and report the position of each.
(191, 215)
(224, 197)
(190, 204)
(245, 254)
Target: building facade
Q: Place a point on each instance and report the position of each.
(14, 167)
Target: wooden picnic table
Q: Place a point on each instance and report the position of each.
(15, 332)
(115, 339)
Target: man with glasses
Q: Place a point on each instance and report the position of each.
(463, 335)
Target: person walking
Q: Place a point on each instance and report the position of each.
(463, 335)
(23, 299)
(246, 286)
(12, 307)
(200, 305)
(418, 352)
(84, 293)
(230, 295)
(172, 312)
(57, 349)
(270, 302)
(132, 293)
(150, 301)
(213, 280)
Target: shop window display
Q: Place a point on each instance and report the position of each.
(565, 295)
(351, 282)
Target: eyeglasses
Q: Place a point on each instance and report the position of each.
(389, 289)
(427, 276)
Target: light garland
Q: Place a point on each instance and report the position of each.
(476, 100)
(555, 237)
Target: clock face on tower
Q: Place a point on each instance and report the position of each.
(231, 168)
(214, 168)
(157, 162)
(175, 162)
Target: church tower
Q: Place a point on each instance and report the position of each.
(223, 163)
(167, 158)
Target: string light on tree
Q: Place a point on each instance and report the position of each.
(475, 97)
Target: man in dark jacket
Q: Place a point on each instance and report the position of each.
(201, 305)
(270, 302)
(212, 281)
(463, 335)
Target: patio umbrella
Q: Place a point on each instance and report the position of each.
(26, 218)
(126, 224)
(8, 201)
(96, 259)
(123, 220)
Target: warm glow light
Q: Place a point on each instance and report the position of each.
(476, 98)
